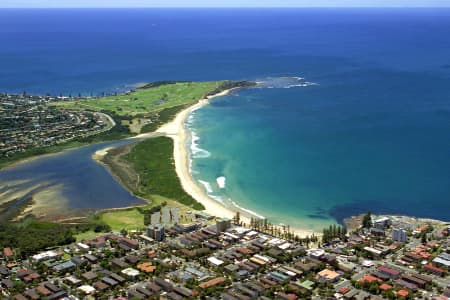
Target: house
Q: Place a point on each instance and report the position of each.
(134, 294)
(406, 284)
(212, 282)
(58, 295)
(52, 287)
(215, 261)
(277, 276)
(146, 267)
(63, 267)
(89, 275)
(231, 268)
(130, 273)
(120, 264)
(8, 253)
(97, 242)
(91, 258)
(382, 222)
(167, 286)
(19, 297)
(434, 270)
(369, 279)
(443, 260)
(328, 276)
(87, 289)
(31, 293)
(174, 296)
(153, 287)
(307, 285)
(377, 231)
(29, 278)
(403, 293)
(43, 290)
(116, 277)
(184, 292)
(287, 296)
(391, 273)
(72, 280)
(7, 283)
(100, 286)
(144, 291)
(414, 280)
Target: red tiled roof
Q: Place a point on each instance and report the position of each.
(432, 268)
(385, 287)
(212, 282)
(387, 270)
(31, 277)
(8, 252)
(403, 293)
(288, 296)
(43, 290)
(369, 278)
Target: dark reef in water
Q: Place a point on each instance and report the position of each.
(319, 217)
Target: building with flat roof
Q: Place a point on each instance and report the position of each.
(399, 235)
(175, 215)
(222, 224)
(165, 215)
(155, 218)
(156, 232)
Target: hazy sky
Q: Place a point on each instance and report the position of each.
(220, 3)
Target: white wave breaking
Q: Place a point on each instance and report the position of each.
(207, 186)
(284, 82)
(221, 182)
(217, 198)
(247, 210)
(196, 151)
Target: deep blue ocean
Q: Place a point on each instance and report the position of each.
(373, 133)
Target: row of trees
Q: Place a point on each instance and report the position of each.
(281, 231)
(29, 237)
(284, 231)
(334, 232)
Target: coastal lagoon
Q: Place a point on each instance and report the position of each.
(67, 183)
(372, 133)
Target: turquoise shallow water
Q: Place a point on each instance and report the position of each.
(312, 155)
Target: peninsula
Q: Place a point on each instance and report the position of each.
(181, 244)
(140, 116)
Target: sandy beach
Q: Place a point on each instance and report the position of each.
(177, 131)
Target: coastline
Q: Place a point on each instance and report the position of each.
(26, 160)
(176, 130)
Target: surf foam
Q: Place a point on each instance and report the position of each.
(207, 186)
(284, 82)
(221, 181)
(247, 210)
(196, 151)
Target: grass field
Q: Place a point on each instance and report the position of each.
(160, 102)
(145, 100)
(130, 219)
(153, 161)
